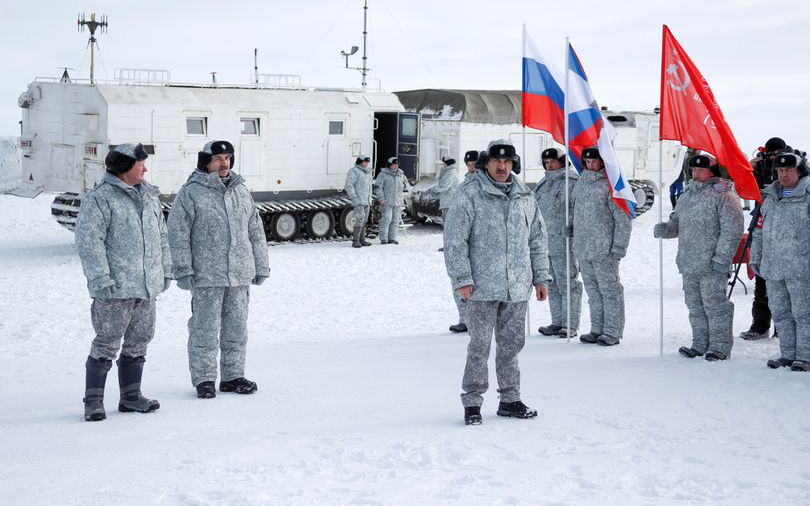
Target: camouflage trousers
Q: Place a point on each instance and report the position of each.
(114, 319)
(218, 323)
(507, 320)
(360, 214)
(461, 306)
(605, 295)
(711, 314)
(789, 300)
(389, 222)
(558, 291)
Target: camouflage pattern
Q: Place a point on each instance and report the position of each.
(495, 241)
(507, 321)
(215, 232)
(469, 175)
(708, 222)
(711, 314)
(445, 186)
(781, 245)
(122, 240)
(358, 185)
(790, 304)
(601, 228)
(605, 295)
(114, 319)
(389, 186)
(360, 214)
(218, 322)
(550, 195)
(461, 307)
(558, 291)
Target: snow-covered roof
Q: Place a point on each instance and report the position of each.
(500, 107)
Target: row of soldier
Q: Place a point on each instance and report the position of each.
(497, 246)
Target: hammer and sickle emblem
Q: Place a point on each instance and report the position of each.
(674, 70)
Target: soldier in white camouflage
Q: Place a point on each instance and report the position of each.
(359, 189)
(470, 159)
(389, 185)
(550, 195)
(219, 249)
(495, 253)
(708, 223)
(601, 233)
(122, 244)
(445, 186)
(780, 253)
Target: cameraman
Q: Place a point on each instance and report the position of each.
(764, 174)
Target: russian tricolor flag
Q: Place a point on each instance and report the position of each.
(587, 127)
(543, 98)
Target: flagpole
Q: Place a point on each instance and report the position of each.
(524, 166)
(661, 214)
(567, 218)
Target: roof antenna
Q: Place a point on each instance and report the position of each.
(213, 77)
(65, 76)
(92, 25)
(364, 69)
(255, 66)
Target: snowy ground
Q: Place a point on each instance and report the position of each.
(358, 402)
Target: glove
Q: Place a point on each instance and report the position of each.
(659, 230)
(104, 293)
(719, 268)
(569, 231)
(258, 280)
(186, 282)
(167, 282)
(755, 269)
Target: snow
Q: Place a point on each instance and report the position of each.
(358, 399)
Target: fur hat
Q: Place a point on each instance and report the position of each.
(122, 157)
(470, 156)
(361, 159)
(212, 149)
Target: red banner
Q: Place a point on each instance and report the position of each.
(690, 115)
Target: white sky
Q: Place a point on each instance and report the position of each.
(754, 54)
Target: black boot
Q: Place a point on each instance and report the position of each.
(472, 415)
(550, 330)
(458, 328)
(689, 352)
(356, 236)
(516, 410)
(779, 362)
(95, 379)
(589, 338)
(238, 385)
(564, 333)
(363, 241)
(800, 365)
(130, 371)
(714, 356)
(206, 390)
(607, 340)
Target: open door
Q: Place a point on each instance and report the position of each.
(397, 134)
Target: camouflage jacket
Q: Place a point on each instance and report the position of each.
(495, 242)
(708, 223)
(389, 186)
(550, 195)
(781, 245)
(122, 242)
(445, 186)
(601, 228)
(358, 185)
(215, 232)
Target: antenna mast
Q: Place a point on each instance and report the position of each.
(92, 25)
(364, 69)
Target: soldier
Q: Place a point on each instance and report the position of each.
(445, 185)
(219, 249)
(390, 183)
(780, 251)
(359, 189)
(550, 195)
(470, 157)
(708, 223)
(495, 252)
(121, 238)
(601, 233)
(764, 173)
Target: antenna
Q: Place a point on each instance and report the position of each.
(213, 77)
(92, 25)
(364, 69)
(65, 76)
(255, 65)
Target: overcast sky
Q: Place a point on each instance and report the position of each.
(754, 54)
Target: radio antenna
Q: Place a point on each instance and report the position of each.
(92, 25)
